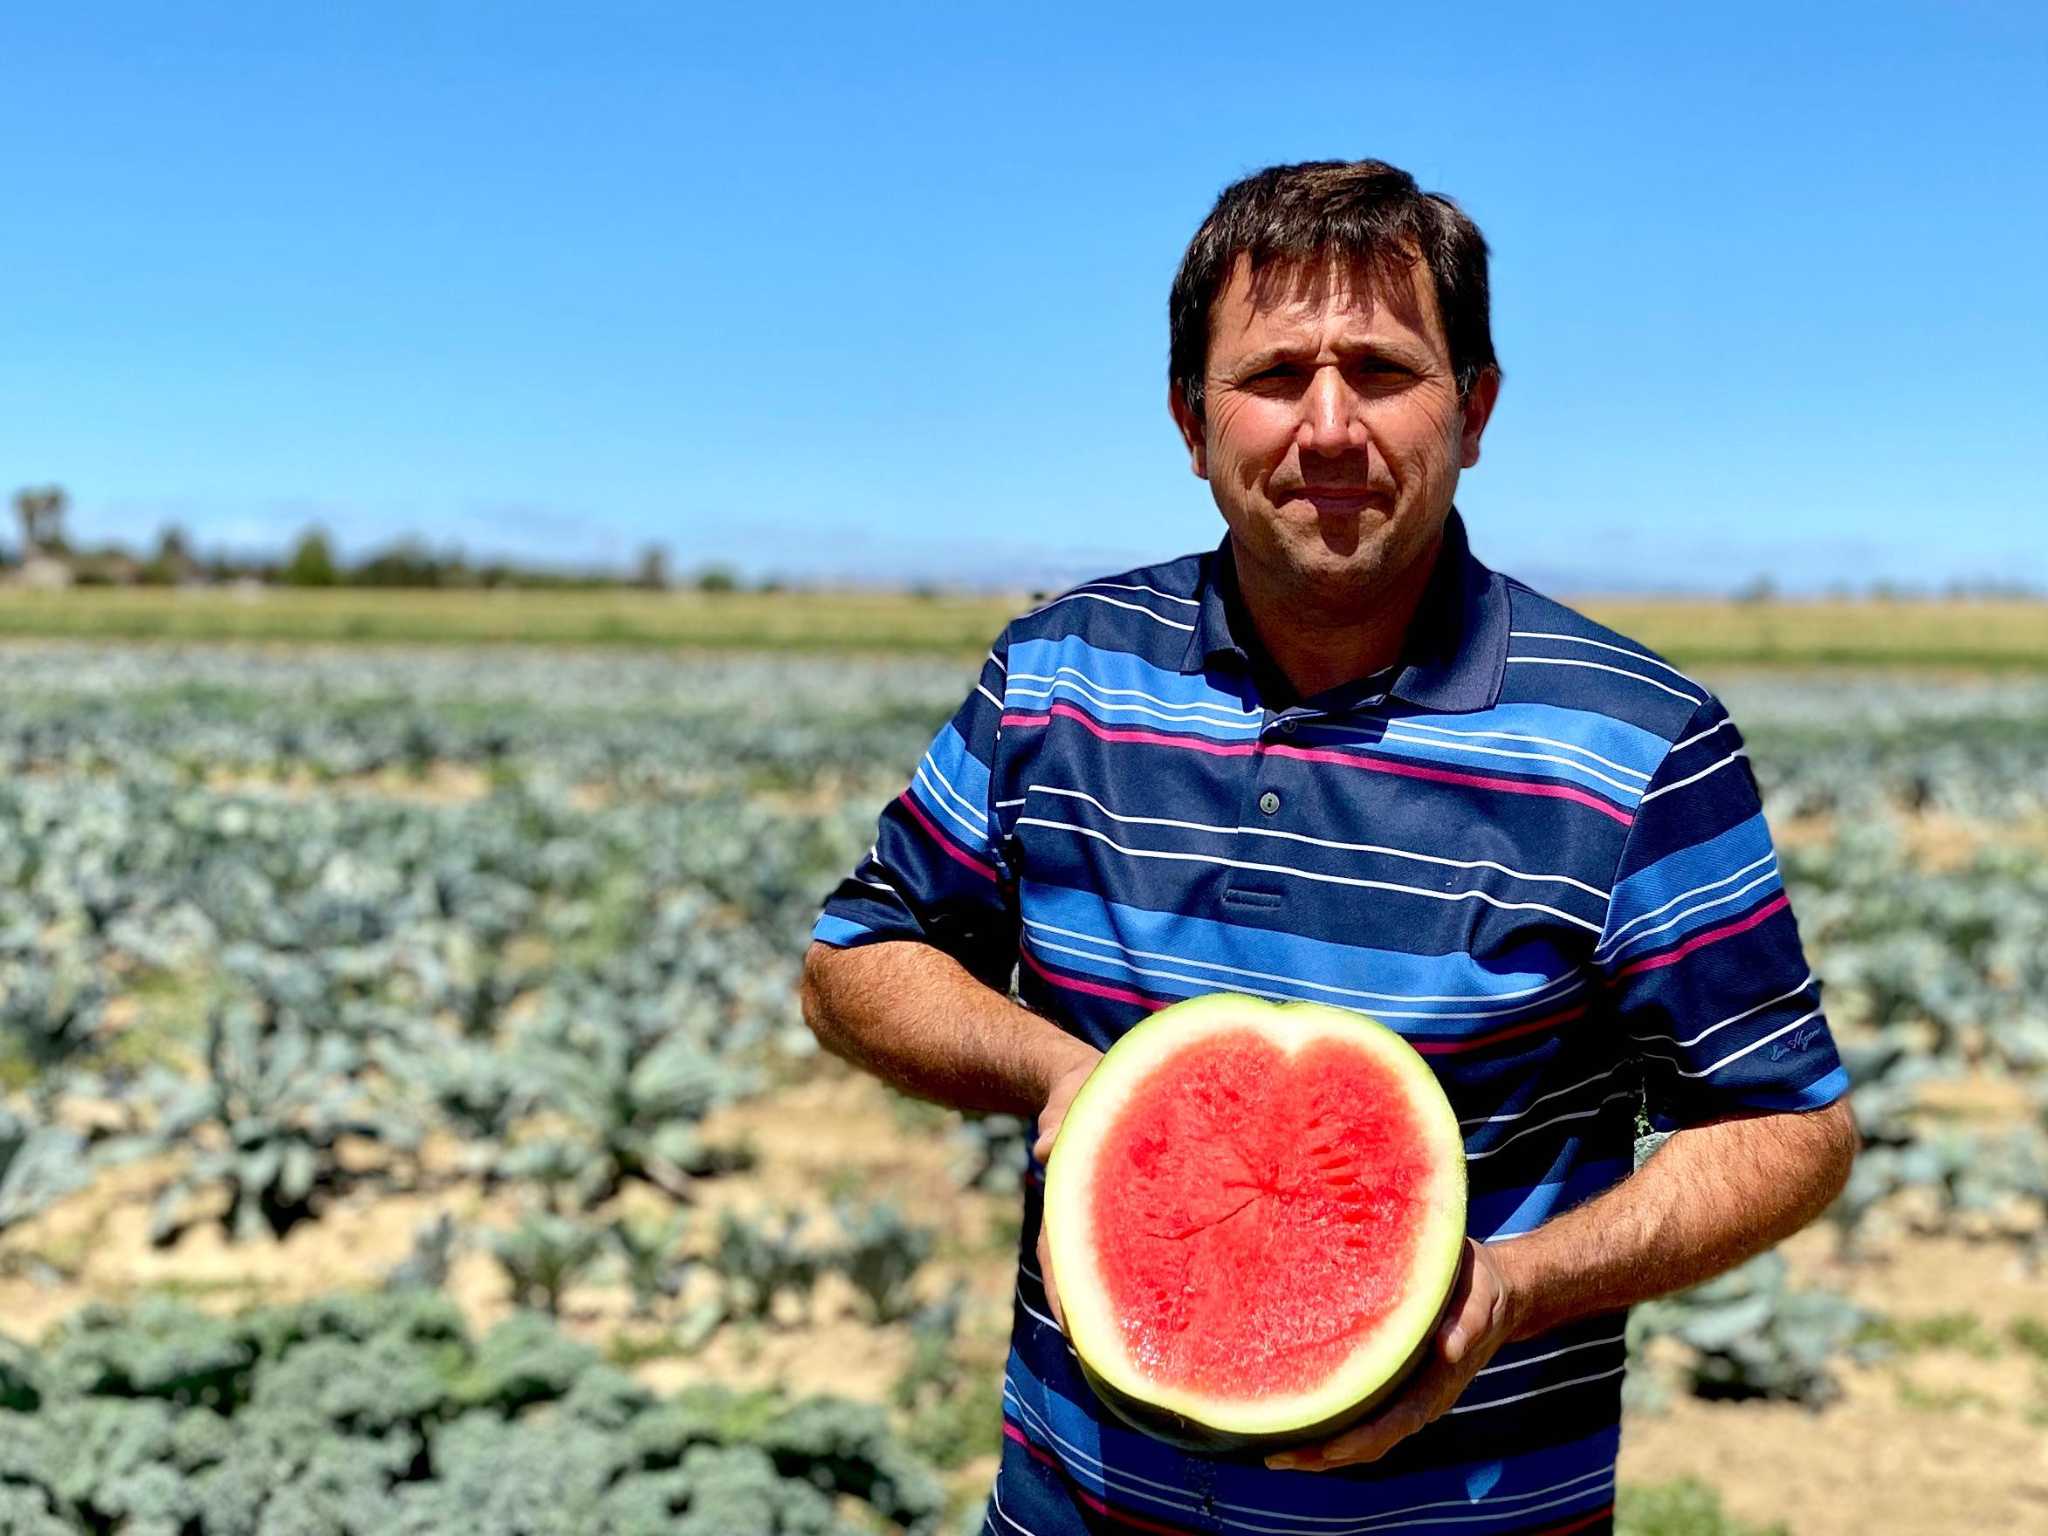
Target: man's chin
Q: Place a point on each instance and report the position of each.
(1331, 564)
(1325, 554)
(1344, 530)
(1344, 545)
(1326, 577)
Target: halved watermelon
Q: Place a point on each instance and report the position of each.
(1255, 1214)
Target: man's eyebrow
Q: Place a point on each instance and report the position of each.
(1388, 348)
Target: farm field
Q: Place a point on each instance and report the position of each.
(424, 1017)
(1917, 634)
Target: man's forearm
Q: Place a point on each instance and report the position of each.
(1710, 1197)
(914, 1016)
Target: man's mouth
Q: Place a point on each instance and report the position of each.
(1328, 493)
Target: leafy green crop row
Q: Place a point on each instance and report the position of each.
(381, 1416)
(348, 968)
(567, 962)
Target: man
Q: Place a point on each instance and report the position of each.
(1338, 758)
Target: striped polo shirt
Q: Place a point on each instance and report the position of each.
(1531, 846)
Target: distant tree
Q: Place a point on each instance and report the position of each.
(409, 563)
(108, 565)
(651, 571)
(717, 578)
(172, 562)
(312, 561)
(1760, 588)
(1967, 589)
(41, 510)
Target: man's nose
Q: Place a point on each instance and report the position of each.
(1330, 421)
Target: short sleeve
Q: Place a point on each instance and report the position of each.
(935, 873)
(1700, 957)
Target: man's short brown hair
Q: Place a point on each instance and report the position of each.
(1362, 213)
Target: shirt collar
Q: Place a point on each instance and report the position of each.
(1453, 657)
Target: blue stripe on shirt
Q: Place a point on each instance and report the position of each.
(1134, 1472)
(1120, 688)
(1511, 1212)
(1238, 958)
(837, 930)
(1665, 885)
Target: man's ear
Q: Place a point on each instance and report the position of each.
(1190, 432)
(1477, 411)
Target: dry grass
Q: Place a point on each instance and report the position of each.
(1976, 635)
(839, 621)
(1971, 635)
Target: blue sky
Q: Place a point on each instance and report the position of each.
(879, 291)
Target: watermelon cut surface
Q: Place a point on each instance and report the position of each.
(1255, 1214)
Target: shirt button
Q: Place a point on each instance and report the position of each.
(1287, 726)
(1269, 802)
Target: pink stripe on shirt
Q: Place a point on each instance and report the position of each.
(1702, 940)
(1324, 755)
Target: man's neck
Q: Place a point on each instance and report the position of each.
(1318, 645)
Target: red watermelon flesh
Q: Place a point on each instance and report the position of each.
(1255, 1212)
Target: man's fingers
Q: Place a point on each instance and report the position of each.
(1465, 1339)
(1375, 1441)
(1048, 1128)
(1365, 1442)
(1049, 1120)
(1432, 1390)
(1056, 1104)
(1469, 1309)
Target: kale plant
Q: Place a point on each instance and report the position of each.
(881, 1256)
(266, 1124)
(760, 1259)
(39, 1164)
(651, 1256)
(52, 1009)
(544, 1255)
(381, 1416)
(1752, 1335)
(632, 1096)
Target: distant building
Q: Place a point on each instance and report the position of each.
(45, 573)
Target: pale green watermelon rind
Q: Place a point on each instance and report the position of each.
(1194, 1435)
(1372, 1371)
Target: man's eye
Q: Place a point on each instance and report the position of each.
(1286, 375)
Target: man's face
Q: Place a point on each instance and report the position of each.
(1334, 434)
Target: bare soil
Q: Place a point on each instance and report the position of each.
(1932, 1442)
(435, 784)
(1937, 841)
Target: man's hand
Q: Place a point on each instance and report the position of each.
(1057, 1098)
(1708, 1198)
(1480, 1318)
